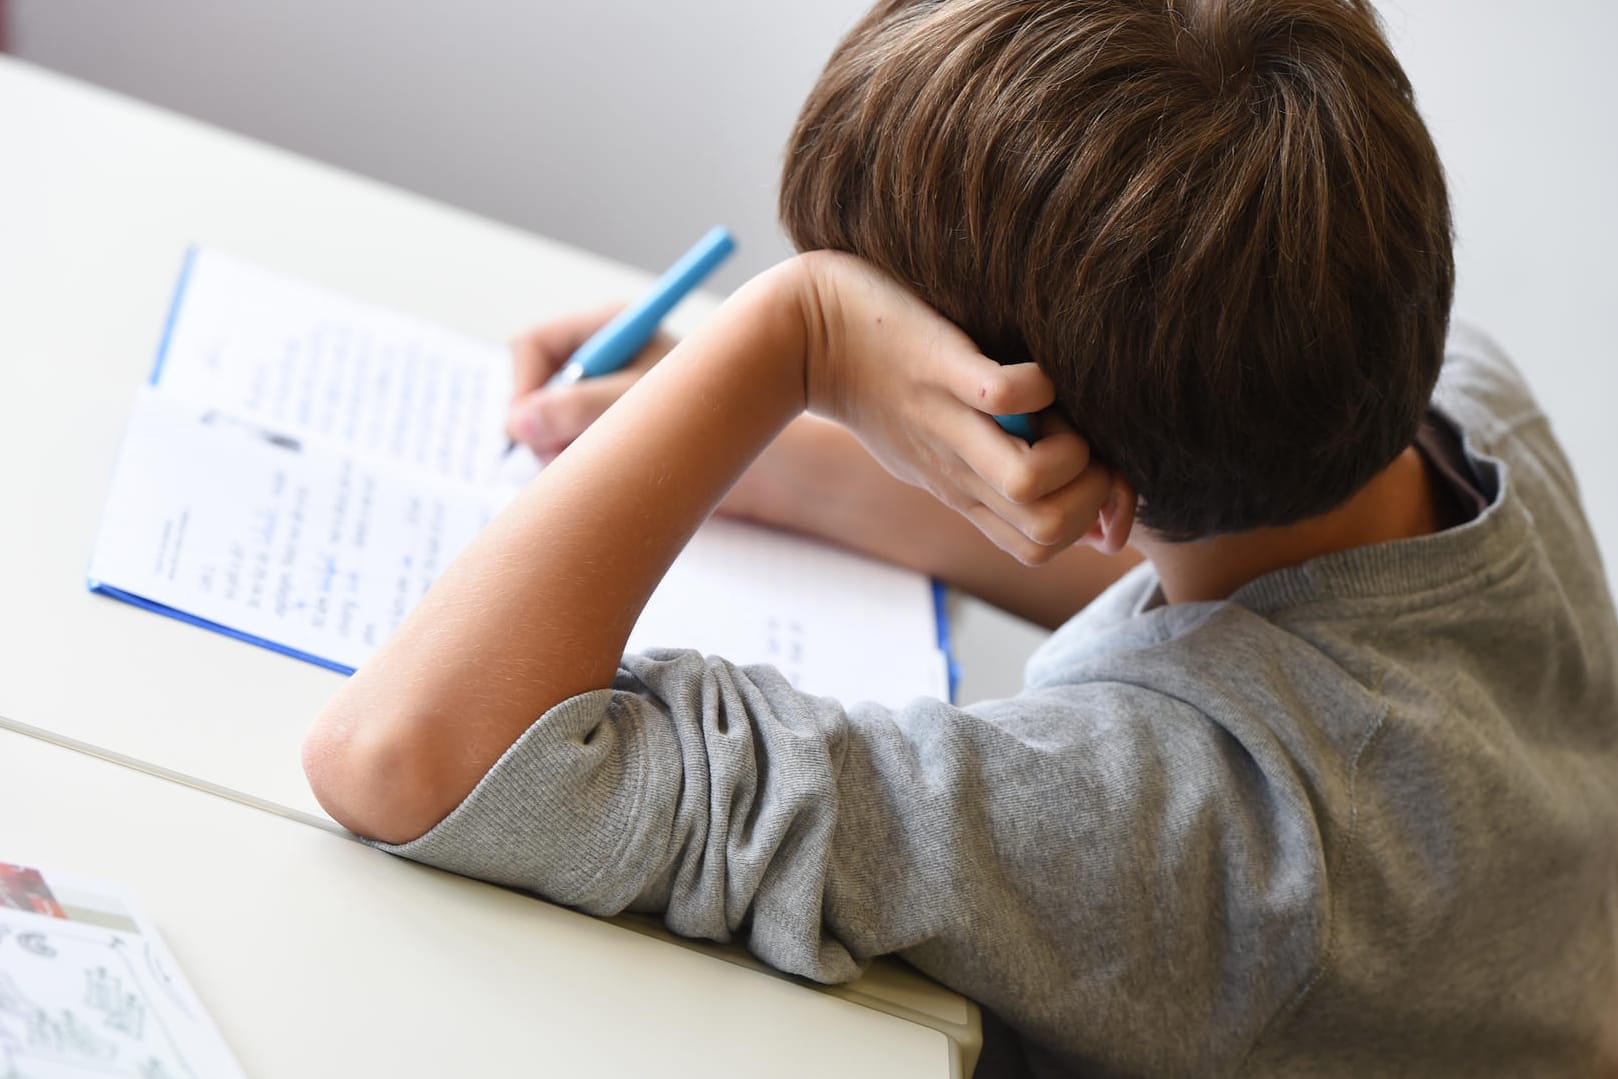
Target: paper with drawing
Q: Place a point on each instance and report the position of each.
(88, 991)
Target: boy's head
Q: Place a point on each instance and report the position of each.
(1219, 226)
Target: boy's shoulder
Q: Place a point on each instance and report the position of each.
(1512, 442)
(1481, 390)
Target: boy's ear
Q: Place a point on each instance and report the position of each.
(1115, 521)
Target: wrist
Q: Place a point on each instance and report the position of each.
(813, 281)
(777, 310)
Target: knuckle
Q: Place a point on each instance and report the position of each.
(1020, 484)
(1045, 525)
(1070, 454)
(1038, 555)
(1027, 552)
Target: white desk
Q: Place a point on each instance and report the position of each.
(318, 957)
(99, 196)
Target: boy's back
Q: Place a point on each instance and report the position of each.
(1389, 776)
(1471, 926)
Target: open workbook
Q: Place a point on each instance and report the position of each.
(301, 466)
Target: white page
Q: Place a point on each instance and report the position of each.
(305, 547)
(324, 553)
(834, 623)
(88, 991)
(298, 358)
(202, 511)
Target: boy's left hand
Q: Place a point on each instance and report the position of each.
(922, 398)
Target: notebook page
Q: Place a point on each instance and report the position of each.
(322, 553)
(297, 544)
(306, 465)
(834, 623)
(298, 358)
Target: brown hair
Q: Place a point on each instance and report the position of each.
(1219, 226)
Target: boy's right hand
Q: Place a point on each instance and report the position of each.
(548, 420)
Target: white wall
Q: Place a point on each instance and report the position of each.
(629, 126)
(625, 126)
(1521, 100)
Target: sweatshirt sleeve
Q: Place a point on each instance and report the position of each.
(993, 845)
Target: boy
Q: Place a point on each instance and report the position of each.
(1327, 788)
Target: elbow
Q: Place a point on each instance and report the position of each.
(371, 779)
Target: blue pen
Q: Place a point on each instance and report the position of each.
(1020, 424)
(616, 343)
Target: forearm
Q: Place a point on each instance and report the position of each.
(818, 480)
(539, 606)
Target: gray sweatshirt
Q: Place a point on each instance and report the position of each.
(1360, 818)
